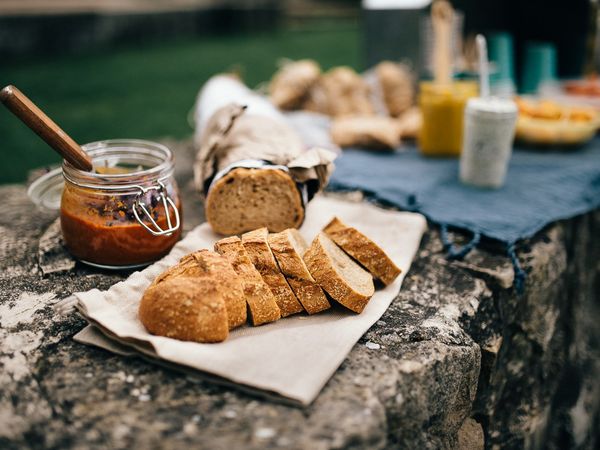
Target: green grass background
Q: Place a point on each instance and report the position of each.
(146, 92)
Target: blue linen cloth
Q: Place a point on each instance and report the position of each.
(541, 187)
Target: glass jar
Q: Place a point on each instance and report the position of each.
(126, 213)
(442, 107)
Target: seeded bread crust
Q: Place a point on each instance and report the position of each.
(363, 250)
(227, 282)
(186, 309)
(260, 299)
(331, 267)
(287, 246)
(217, 269)
(247, 199)
(255, 243)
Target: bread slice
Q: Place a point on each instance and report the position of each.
(260, 299)
(186, 309)
(255, 243)
(219, 269)
(288, 247)
(363, 250)
(246, 199)
(343, 279)
(205, 264)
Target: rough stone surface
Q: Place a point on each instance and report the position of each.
(458, 360)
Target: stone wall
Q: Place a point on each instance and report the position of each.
(457, 361)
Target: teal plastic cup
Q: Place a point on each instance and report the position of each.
(501, 55)
(539, 66)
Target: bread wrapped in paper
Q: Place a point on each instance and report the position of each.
(251, 165)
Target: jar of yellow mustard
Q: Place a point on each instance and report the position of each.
(442, 107)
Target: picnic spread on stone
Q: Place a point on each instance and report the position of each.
(310, 271)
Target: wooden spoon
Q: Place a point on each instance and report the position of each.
(442, 17)
(45, 128)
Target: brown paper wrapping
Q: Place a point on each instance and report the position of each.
(232, 135)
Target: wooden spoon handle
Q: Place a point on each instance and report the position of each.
(45, 128)
(442, 16)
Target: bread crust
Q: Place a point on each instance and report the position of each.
(327, 271)
(227, 281)
(289, 258)
(291, 83)
(186, 309)
(255, 243)
(247, 199)
(205, 264)
(364, 250)
(261, 301)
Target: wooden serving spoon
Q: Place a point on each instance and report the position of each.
(442, 16)
(45, 128)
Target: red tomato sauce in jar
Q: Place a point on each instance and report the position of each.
(107, 233)
(116, 216)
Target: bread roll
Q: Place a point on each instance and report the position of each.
(186, 309)
(289, 86)
(374, 132)
(340, 92)
(397, 86)
(410, 123)
(343, 279)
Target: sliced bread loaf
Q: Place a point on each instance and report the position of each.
(363, 250)
(261, 301)
(185, 308)
(246, 199)
(343, 279)
(205, 264)
(219, 270)
(288, 247)
(255, 243)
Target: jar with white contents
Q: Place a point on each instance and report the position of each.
(488, 136)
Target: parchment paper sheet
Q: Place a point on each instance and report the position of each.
(293, 357)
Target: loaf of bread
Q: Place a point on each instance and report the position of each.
(218, 269)
(410, 123)
(246, 199)
(255, 243)
(207, 294)
(363, 250)
(397, 86)
(290, 85)
(340, 92)
(261, 301)
(343, 279)
(205, 264)
(186, 309)
(373, 132)
(288, 247)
